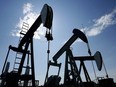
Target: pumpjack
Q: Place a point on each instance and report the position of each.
(23, 74)
(25, 48)
(72, 72)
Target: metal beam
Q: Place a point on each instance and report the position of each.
(30, 32)
(84, 58)
(76, 34)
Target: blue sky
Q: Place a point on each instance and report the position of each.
(97, 16)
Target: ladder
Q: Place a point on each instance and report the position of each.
(18, 56)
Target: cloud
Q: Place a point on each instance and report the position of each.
(101, 24)
(27, 8)
(29, 17)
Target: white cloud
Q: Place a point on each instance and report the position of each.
(101, 24)
(27, 8)
(29, 17)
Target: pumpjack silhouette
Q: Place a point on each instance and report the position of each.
(23, 74)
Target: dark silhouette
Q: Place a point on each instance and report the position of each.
(23, 73)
